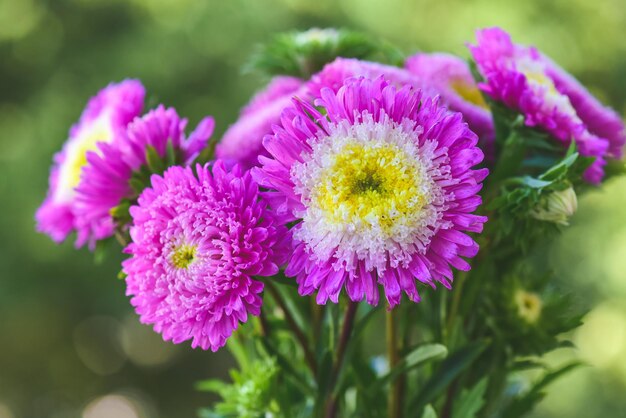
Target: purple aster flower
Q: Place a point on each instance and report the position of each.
(382, 188)
(242, 142)
(197, 242)
(549, 98)
(106, 179)
(104, 119)
(451, 77)
(333, 75)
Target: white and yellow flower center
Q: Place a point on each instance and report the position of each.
(76, 155)
(468, 92)
(541, 83)
(370, 194)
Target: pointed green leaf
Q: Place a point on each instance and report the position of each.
(470, 401)
(154, 160)
(449, 370)
(417, 357)
(211, 385)
(429, 412)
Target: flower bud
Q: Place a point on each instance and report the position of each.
(529, 305)
(556, 207)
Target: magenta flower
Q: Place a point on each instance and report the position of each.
(104, 119)
(106, 179)
(549, 98)
(333, 75)
(381, 186)
(451, 77)
(197, 241)
(242, 142)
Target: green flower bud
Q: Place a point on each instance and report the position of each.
(557, 207)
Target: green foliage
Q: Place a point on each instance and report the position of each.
(470, 400)
(302, 54)
(252, 394)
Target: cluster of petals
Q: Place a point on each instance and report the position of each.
(242, 141)
(104, 120)
(452, 78)
(106, 178)
(363, 254)
(198, 240)
(549, 98)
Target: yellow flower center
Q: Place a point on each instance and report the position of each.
(469, 92)
(541, 83)
(529, 305)
(371, 185)
(183, 256)
(76, 155)
(369, 194)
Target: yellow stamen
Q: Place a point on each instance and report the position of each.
(183, 256)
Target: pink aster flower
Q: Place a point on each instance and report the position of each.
(242, 142)
(333, 75)
(106, 179)
(104, 119)
(451, 77)
(197, 242)
(549, 98)
(382, 188)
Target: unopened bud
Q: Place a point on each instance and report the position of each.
(557, 207)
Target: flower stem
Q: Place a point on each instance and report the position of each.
(344, 338)
(298, 333)
(393, 405)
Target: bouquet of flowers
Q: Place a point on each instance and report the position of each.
(359, 238)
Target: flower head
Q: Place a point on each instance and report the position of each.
(104, 119)
(380, 182)
(106, 179)
(335, 73)
(549, 98)
(557, 207)
(451, 77)
(528, 305)
(242, 142)
(197, 242)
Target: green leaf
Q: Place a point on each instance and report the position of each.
(470, 401)
(417, 357)
(154, 160)
(302, 54)
(449, 370)
(170, 155)
(206, 413)
(524, 404)
(211, 385)
(429, 412)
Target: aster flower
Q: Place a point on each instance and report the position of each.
(333, 75)
(107, 178)
(242, 142)
(197, 241)
(104, 119)
(549, 98)
(451, 77)
(380, 182)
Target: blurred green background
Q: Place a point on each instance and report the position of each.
(70, 345)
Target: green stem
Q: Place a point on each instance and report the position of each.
(393, 405)
(298, 333)
(456, 300)
(344, 338)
